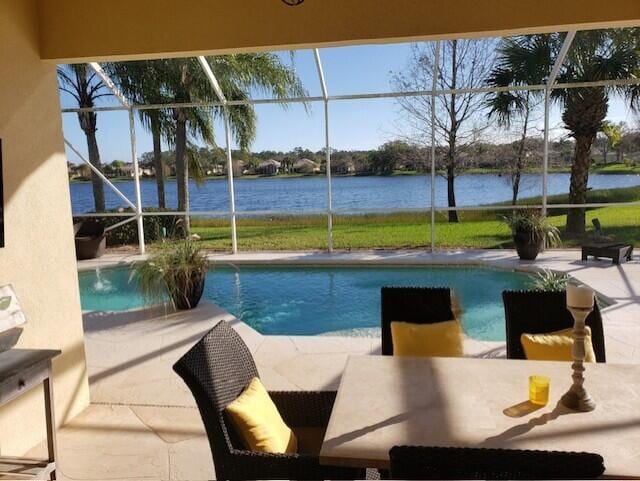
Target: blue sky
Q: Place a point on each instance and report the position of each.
(361, 124)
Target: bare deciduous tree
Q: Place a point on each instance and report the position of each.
(458, 117)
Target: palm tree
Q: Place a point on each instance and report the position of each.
(142, 83)
(238, 75)
(594, 55)
(84, 85)
(522, 61)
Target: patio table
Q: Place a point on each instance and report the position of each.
(384, 401)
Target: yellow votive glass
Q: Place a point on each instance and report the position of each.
(539, 390)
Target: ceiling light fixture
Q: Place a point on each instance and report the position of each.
(292, 3)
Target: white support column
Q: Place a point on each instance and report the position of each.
(325, 97)
(213, 81)
(329, 189)
(136, 179)
(232, 196)
(434, 86)
(545, 153)
(547, 94)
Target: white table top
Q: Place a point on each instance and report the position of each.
(384, 401)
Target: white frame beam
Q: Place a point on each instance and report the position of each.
(134, 158)
(325, 98)
(327, 148)
(136, 177)
(387, 95)
(110, 84)
(547, 97)
(215, 85)
(104, 179)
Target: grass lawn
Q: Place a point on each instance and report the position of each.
(616, 168)
(476, 229)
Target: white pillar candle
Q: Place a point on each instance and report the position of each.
(579, 296)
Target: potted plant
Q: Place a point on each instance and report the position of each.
(177, 272)
(531, 231)
(548, 280)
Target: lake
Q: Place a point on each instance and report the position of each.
(304, 194)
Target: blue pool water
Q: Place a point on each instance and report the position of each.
(307, 300)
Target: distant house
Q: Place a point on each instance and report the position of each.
(343, 167)
(127, 170)
(147, 171)
(217, 169)
(238, 167)
(306, 166)
(268, 167)
(81, 171)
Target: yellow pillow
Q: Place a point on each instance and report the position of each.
(259, 423)
(438, 339)
(555, 346)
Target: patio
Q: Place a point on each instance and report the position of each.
(110, 394)
(143, 424)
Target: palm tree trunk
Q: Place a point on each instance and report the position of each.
(94, 158)
(520, 159)
(157, 162)
(578, 187)
(182, 168)
(585, 109)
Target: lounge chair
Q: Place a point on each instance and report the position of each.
(606, 246)
(217, 369)
(420, 305)
(417, 462)
(538, 312)
(90, 239)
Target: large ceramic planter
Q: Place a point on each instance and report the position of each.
(527, 248)
(188, 296)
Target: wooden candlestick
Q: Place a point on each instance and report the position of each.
(576, 397)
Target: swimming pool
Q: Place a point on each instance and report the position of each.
(309, 300)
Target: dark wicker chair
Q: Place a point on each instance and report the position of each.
(216, 370)
(420, 305)
(90, 239)
(417, 462)
(537, 312)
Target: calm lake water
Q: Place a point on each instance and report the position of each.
(305, 194)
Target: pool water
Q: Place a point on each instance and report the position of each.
(306, 300)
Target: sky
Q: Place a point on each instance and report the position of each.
(354, 124)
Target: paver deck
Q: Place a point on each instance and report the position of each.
(143, 424)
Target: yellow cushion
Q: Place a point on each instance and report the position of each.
(438, 339)
(555, 346)
(259, 423)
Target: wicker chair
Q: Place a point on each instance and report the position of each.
(420, 305)
(216, 370)
(90, 239)
(537, 312)
(417, 462)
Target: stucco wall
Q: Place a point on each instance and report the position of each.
(39, 255)
(80, 29)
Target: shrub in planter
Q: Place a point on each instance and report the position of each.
(531, 230)
(178, 272)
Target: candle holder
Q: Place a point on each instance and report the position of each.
(576, 397)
